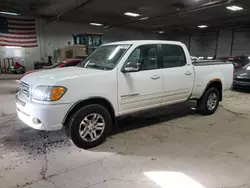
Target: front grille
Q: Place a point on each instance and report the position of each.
(242, 79)
(24, 89)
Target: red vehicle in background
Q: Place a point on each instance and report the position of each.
(68, 63)
(238, 61)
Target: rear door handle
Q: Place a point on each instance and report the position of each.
(155, 77)
(188, 73)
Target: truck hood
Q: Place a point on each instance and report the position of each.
(53, 76)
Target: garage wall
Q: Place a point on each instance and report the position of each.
(57, 34)
(222, 43)
(203, 44)
(241, 42)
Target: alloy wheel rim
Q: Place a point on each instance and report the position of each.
(92, 127)
(212, 101)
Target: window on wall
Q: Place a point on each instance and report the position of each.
(173, 56)
(146, 55)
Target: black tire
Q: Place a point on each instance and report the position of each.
(72, 129)
(202, 106)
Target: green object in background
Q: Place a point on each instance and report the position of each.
(19, 70)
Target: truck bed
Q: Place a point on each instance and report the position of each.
(207, 71)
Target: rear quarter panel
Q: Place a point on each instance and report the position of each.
(205, 74)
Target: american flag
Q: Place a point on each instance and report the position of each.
(18, 31)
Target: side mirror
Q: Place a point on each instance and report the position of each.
(131, 66)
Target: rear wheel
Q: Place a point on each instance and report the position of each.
(89, 126)
(209, 102)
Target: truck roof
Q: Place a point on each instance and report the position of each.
(140, 42)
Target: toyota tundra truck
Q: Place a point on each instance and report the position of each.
(118, 79)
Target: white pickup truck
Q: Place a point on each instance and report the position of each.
(118, 79)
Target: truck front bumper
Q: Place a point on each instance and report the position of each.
(41, 116)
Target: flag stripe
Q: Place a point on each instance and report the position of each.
(18, 45)
(21, 24)
(22, 33)
(21, 19)
(17, 42)
(17, 36)
(22, 29)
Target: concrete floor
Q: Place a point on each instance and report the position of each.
(168, 148)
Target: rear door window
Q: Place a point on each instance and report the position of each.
(173, 56)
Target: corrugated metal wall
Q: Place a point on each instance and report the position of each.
(203, 45)
(241, 42)
(224, 43)
(221, 43)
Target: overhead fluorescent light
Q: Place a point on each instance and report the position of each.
(234, 8)
(144, 18)
(131, 14)
(10, 13)
(202, 26)
(210, 58)
(96, 24)
(161, 32)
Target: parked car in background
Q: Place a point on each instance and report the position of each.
(240, 61)
(115, 80)
(227, 58)
(242, 77)
(68, 63)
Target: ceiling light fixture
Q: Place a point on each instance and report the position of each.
(202, 26)
(96, 24)
(234, 8)
(144, 18)
(131, 14)
(10, 13)
(161, 32)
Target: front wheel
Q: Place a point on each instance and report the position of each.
(89, 126)
(209, 102)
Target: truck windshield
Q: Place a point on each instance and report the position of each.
(105, 57)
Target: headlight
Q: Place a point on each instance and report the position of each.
(48, 93)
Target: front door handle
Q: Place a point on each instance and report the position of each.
(188, 73)
(155, 77)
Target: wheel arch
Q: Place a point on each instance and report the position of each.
(93, 100)
(216, 83)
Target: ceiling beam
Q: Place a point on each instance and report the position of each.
(211, 4)
(80, 5)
